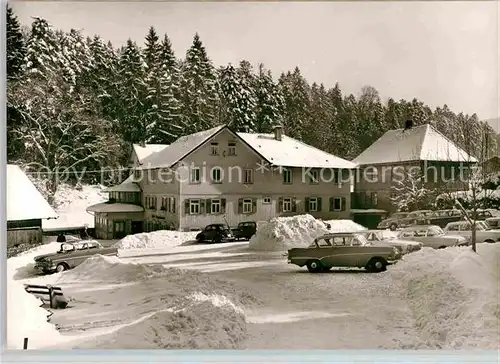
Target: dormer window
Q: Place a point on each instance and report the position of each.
(214, 148)
(231, 148)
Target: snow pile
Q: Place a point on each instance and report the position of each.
(283, 233)
(453, 294)
(71, 203)
(25, 317)
(156, 239)
(202, 324)
(344, 226)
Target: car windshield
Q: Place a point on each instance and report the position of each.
(360, 239)
(435, 231)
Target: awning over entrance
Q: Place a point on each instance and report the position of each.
(114, 207)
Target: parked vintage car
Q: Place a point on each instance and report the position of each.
(431, 236)
(493, 222)
(402, 219)
(442, 218)
(390, 238)
(70, 255)
(482, 214)
(484, 234)
(245, 230)
(343, 250)
(215, 233)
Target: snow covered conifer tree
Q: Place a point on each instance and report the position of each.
(269, 101)
(16, 47)
(199, 88)
(132, 88)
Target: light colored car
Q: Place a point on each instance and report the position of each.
(390, 238)
(431, 236)
(70, 255)
(343, 250)
(484, 234)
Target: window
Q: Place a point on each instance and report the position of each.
(164, 201)
(313, 204)
(215, 206)
(266, 200)
(214, 148)
(453, 227)
(216, 175)
(247, 206)
(248, 176)
(151, 202)
(231, 148)
(313, 177)
(287, 204)
(337, 204)
(195, 175)
(374, 198)
(287, 176)
(194, 207)
(119, 226)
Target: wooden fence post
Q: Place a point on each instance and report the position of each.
(25, 344)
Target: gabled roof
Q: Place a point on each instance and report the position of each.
(145, 151)
(420, 143)
(176, 151)
(24, 201)
(290, 152)
(287, 152)
(126, 186)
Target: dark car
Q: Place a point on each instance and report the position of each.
(404, 219)
(245, 230)
(215, 233)
(442, 218)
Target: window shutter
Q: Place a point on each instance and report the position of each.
(319, 205)
(280, 204)
(240, 206)
(202, 206)
(254, 205)
(223, 206)
(208, 204)
(343, 203)
(307, 204)
(331, 203)
(186, 206)
(294, 204)
(173, 205)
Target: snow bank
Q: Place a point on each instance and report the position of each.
(71, 203)
(155, 239)
(344, 226)
(282, 233)
(25, 317)
(207, 322)
(453, 295)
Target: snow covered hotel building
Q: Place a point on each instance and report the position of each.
(220, 175)
(387, 166)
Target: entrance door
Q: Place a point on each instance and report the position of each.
(119, 229)
(136, 227)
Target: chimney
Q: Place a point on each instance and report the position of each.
(278, 132)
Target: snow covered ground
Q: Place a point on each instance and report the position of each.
(233, 296)
(71, 204)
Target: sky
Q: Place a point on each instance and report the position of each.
(438, 52)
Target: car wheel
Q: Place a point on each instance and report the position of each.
(61, 267)
(442, 247)
(393, 227)
(489, 241)
(376, 265)
(314, 266)
(199, 238)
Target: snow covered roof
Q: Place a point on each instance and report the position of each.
(172, 154)
(287, 152)
(114, 207)
(24, 201)
(421, 143)
(290, 152)
(145, 151)
(126, 186)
